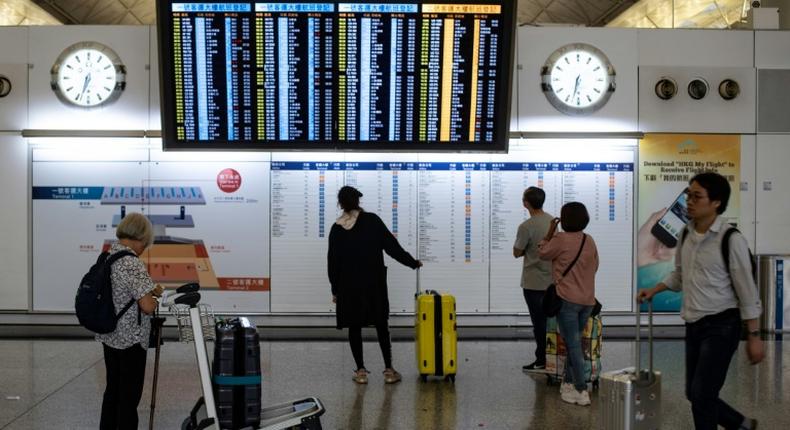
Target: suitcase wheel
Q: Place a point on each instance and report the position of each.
(424, 378)
(450, 377)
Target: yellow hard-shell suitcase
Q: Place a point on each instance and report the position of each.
(436, 334)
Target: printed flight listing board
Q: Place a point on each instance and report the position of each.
(324, 75)
(602, 180)
(210, 224)
(255, 233)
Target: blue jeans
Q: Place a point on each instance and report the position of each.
(710, 344)
(571, 321)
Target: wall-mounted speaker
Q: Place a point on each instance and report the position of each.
(698, 88)
(729, 89)
(5, 86)
(666, 88)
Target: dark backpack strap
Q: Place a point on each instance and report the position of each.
(725, 250)
(568, 270)
(725, 247)
(110, 261)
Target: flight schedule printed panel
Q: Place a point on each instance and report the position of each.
(605, 188)
(454, 231)
(304, 207)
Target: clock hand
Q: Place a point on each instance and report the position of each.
(576, 85)
(85, 84)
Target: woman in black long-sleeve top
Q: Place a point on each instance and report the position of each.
(359, 277)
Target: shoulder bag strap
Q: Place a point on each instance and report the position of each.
(565, 273)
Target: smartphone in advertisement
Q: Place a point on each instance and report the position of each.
(668, 229)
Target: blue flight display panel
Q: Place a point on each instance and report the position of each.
(296, 75)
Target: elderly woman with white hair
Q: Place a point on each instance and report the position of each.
(125, 348)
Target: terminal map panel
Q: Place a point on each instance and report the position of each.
(407, 75)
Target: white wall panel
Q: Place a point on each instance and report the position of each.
(13, 44)
(696, 48)
(13, 65)
(536, 114)
(711, 114)
(773, 188)
(14, 244)
(748, 188)
(13, 107)
(772, 49)
(129, 112)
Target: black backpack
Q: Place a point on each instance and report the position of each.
(94, 305)
(725, 249)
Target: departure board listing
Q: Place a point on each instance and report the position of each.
(326, 75)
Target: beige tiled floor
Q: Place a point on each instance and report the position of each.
(49, 384)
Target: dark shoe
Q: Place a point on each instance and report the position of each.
(534, 367)
(749, 424)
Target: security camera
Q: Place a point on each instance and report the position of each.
(698, 88)
(755, 4)
(666, 88)
(5, 86)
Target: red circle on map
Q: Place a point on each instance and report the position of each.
(229, 180)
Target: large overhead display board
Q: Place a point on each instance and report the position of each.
(409, 76)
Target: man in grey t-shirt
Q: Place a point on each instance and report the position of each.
(536, 273)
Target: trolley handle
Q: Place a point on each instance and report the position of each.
(649, 338)
(189, 299)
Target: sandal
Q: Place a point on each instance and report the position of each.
(360, 376)
(391, 376)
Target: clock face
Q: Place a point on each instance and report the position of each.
(88, 74)
(578, 79)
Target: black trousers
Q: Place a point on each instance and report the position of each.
(535, 305)
(125, 379)
(355, 340)
(710, 344)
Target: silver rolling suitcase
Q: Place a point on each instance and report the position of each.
(631, 400)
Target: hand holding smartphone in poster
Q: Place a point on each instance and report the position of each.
(669, 227)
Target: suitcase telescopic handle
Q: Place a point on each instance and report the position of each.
(649, 338)
(418, 282)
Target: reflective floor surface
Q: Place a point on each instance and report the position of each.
(58, 384)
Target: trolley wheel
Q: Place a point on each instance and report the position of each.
(424, 378)
(596, 384)
(451, 378)
(187, 424)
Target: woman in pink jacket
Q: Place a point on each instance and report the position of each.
(576, 290)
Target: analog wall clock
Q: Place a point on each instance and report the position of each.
(578, 79)
(88, 74)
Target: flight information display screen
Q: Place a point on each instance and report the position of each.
(318, 75)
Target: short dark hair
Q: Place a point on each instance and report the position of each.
(574, 217)
(535, 197)
(348, 198)
(717, 186)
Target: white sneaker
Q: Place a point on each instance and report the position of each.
(576, 398)
(583, 398)
(565, 388)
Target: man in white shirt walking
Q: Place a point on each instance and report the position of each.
(717, 296)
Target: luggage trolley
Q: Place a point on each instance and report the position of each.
(196, 324)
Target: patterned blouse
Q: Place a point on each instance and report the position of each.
(130, 280)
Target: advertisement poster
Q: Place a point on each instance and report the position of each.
(210, 219)
(666, 163)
